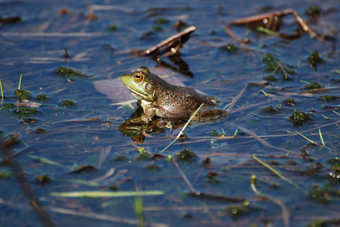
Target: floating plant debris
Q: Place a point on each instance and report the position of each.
(22, 94)
(269, 110)
(289, 102)
(67, 103)
(270, 61)
(186, 155)
(230, 48)
(69, 72)
(41, 97)
(298, 118)
(327, 98)
(313, 10)
(25, 111)
(312, 86)
(314, 59)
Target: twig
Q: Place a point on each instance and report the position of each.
(259, 139)
(268, 16)
(185, 177)
(169, 41)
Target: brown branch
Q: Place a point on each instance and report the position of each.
(180, 37)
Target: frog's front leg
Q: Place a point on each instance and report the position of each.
(149, 110)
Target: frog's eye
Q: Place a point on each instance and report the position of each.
(138, 77)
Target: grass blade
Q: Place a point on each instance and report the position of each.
(19, 85)
(306, 138)
(321, 137)
(275, 171)
(139, 211)
(105, 194)
(184, 127)
(2, 93)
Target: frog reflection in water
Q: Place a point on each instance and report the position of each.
(161, 100)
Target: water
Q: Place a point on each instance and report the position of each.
(58, 140)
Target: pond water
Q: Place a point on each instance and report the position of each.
(257, 167)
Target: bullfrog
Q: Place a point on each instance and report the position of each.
(158, 98)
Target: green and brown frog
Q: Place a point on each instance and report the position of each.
(161, 99)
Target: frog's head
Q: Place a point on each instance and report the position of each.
(140, 83)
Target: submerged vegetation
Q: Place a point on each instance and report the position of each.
(273, 161)
(299, 118)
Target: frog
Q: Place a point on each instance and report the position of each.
(161, 99)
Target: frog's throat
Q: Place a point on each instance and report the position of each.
(141, 96)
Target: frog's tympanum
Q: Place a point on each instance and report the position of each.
(161, 99)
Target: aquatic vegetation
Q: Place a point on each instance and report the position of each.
(312, 86)
(319, 194)
(314, 59)
(5, 175)
(69, 72)
(143, 154)
(22, 94)
(186, 155)
(114, 26)
(9, 105)
(161, 21)
(25, 111)
(120, 158)
(67, 103)
(298, 118)
(289, 102)
(43, 179)
(269, 110)
(212, 176)
(327, 98)
(42, 97)
(230, 48)
(270, 78)
(270, 61)
(313, 10)
(152, 167)
(237, 211)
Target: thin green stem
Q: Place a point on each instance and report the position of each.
(275, 171)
